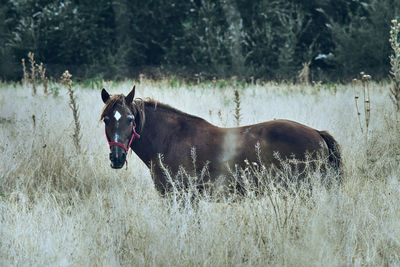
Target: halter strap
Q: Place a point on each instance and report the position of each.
(134, 134)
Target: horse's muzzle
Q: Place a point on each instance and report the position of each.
(117, 157)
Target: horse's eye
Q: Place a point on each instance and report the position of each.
(106, 120)
(130, 118)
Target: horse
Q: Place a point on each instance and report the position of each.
(165, 137)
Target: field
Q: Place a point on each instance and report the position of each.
(61, 208)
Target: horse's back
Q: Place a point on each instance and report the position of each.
(287, 138)
(292, 136)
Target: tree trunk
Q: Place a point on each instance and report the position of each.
(235, 23)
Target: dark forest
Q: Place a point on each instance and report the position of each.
(264, 39)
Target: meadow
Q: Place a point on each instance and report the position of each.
(59, 207)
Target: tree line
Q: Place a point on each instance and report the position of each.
(264, 39)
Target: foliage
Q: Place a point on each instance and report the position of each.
(204, 40)
(361, 42)
(274, 33)
(261, 39)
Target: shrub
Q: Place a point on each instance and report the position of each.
(361, 42)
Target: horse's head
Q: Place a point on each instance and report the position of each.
(119, 120)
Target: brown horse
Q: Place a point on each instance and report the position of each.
(154, 130)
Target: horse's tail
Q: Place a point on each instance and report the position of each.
(335, 158)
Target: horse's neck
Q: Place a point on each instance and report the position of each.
(156, 129)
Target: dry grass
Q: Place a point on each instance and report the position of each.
(36, 69)
(58, 208)
(304, 74)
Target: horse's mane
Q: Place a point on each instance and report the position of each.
(167, 108)
(138, 108)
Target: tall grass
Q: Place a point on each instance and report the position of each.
(58, 207)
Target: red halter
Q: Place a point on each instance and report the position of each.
(134, 134)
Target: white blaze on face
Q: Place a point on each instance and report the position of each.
(117, 116)
(229, 147)
(116, 137)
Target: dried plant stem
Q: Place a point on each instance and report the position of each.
(237, 107)
(358, 113)
(32, 79)
(395, 63)
(42, 73)
(364, 127)
(25, 79)
(35, 70)
(367, 108)
(34, 120)
(304, 73)
(66, 79)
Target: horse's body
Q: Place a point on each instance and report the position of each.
(174, 135)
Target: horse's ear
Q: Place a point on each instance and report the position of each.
(105, 95)
(129, 98)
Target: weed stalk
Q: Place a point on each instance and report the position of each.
(304, 73)
(237, 107)
(32, 79)
(25, 79)
(42, 72)
(35, 70)
(76, 137)
(364, 125)
(395, 63)
(34, 120)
